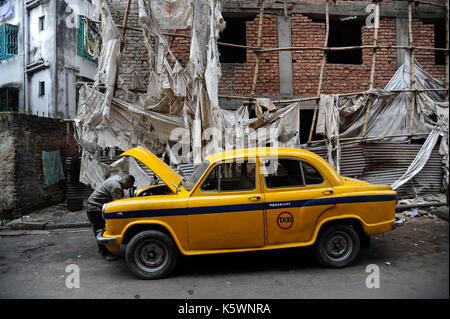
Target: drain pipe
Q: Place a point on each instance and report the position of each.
(66, 75)
(25, 56)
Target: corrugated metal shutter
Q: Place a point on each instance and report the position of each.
(383, 164)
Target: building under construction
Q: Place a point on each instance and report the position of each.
(362, 83)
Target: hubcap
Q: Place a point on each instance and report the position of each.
(339, 246)
(151, 255)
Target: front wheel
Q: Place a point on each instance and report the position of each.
(151, 255)
(337, 246)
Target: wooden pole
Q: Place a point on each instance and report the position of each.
(322, 67)
(122, 43)
(446, 46)
(413, 80)
(100, 40)
(372, 71)
(429, 3)
(305, 48)
(125, 24)
(255, 74)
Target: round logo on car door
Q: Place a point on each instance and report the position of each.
(285, 220)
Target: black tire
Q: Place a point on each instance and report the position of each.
(337, 246)
(151, 254)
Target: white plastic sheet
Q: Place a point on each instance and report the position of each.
(343, 116)
(172, 14)
(185, 100)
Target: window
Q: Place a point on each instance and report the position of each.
(306, 118)
(9, 99)
(439, 42)
(86, 39)
(41, 23)
(190, 182)
(8, 41)
(343, 34)
(233, 176)
(41, 88)
(234, 33)
(285, 172)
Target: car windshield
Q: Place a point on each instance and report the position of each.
(190, 182)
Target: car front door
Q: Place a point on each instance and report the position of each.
(226, 209)
(295, 194)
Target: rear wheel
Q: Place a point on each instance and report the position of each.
(337, 246)
(151, 254)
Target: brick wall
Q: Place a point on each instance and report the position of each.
(423, 35)
(135, 55)
(237, 77)
(7, 186)
(24, 137)
(338, 78)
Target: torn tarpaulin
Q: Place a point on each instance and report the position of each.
(181, 104)
(389, 116)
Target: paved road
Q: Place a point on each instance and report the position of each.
(413, 263)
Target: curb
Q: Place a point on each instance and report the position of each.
(47, 226)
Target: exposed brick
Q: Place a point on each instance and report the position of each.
(237, 77)
(23, 139)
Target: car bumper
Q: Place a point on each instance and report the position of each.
(105, 240)
(399, 222)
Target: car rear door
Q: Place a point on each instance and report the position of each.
(295, 194)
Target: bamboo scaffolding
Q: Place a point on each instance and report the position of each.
(312, 98)
(122, 43)
(372, 70)
(412, 68)
(446, 46)
(429, 3)
(376, 46)
(125, 25)
(258, 44)
(247, 99)
(305, 48)
(322, 68)
(348, 48)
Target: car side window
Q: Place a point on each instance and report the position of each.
(284, 172)
(312, 176)
(233, 176)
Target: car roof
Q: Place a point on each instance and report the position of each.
(318, 161)
(259, 152)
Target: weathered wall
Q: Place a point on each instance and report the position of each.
(41, 46)
(307, 28)
(23, 138)
(69, 63)
(7, 159)
(135, 56)
(237, 77)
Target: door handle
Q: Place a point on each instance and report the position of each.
(257, 197)
(328, 192)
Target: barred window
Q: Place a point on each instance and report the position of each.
(8, 41)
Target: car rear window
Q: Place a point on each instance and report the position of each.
(283, 172)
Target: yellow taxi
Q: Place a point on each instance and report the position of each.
(246, 200)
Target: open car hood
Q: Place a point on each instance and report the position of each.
(171, 178)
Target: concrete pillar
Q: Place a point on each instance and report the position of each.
(401, 25)
(285, 58)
